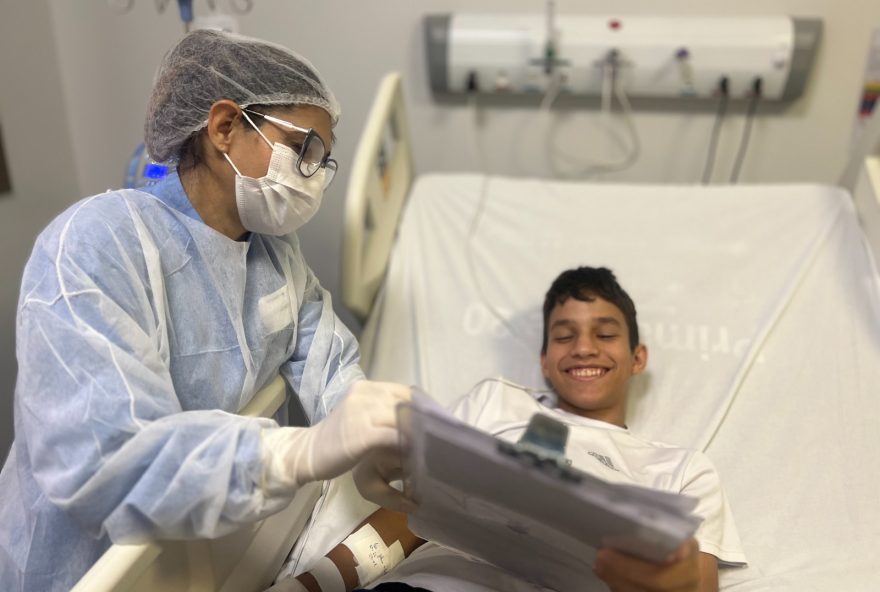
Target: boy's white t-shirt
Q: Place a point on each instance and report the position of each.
(610, 452)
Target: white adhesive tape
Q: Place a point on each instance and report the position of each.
(328, 576)
(373, 557)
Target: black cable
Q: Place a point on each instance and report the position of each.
(747, 130)
(472, 83)
(724, 93)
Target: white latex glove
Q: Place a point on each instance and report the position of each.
(288, 585)
(365, 420)
(373, 477)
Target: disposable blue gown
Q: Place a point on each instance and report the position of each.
(140, 332)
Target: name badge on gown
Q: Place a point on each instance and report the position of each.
(275, 311)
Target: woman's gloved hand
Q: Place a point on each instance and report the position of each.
(373, 477)
(365, 420)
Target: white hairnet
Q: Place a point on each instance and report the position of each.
(206, 66)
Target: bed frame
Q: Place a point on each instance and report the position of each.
(410, 334)
(383, 174)
(379, 184)
(244, 561)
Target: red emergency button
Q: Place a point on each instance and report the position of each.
(614, 24)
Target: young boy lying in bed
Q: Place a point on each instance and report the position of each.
(591, 351)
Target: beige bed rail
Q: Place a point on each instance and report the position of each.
(861, 177)
(244, 561)
(380, 179)
(867, 199)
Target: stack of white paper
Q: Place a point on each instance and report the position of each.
(540, 520)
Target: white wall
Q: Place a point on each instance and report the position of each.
(40, 158)
(92, 115)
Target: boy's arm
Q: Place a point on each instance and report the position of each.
(390, 526)
(708, 573)
(688, 570)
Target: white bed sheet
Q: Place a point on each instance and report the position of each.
(761, 310)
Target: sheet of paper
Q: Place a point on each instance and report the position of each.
(477, 498)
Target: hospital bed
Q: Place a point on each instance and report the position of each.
(759, 304)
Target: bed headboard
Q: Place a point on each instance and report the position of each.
(380, 180)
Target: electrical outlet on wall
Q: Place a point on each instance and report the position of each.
(661, 57)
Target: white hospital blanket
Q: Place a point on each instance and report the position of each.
(761, 311)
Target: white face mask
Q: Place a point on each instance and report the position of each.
(283, 200)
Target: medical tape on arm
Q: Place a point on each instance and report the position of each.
(372, 557)
(327, 575)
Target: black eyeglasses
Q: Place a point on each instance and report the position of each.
(313, 155)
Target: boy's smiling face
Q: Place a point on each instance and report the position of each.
(589, 360)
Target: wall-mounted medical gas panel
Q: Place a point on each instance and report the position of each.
(651, 56)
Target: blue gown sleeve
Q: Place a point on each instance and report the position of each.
(326, 358)
(96, 410)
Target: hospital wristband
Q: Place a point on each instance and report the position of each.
(328, 576)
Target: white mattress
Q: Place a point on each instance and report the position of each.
(761, 311)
